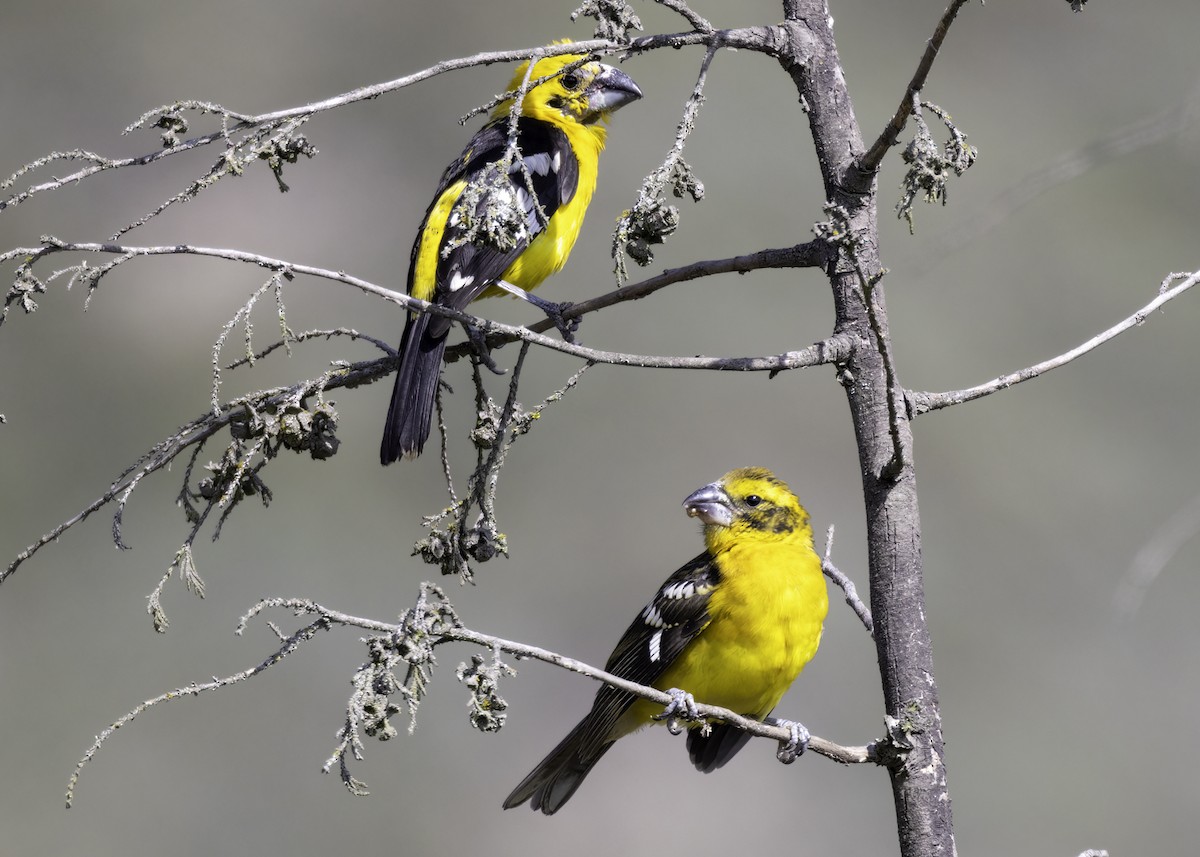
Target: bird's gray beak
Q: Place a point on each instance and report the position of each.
(711, 505)
(611, 90)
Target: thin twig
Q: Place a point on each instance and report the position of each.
(845, 584)
(813, 254)
(652, 218)
(698, 23)
(289, 645)
(835, 349)
(870, 162)
(354, 96)
(920, 403)
(305, 335)
(242, 315)
(196, 433)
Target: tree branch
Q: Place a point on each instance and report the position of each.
(870, 162)
(915, 750)
(809, 255)
(698, 23)
(458, 633)
(920, 403)
(247, 123)
(832, 350)
(829, 749)
(288, 645)
(845, 584)
(436, 624)
(168, 116)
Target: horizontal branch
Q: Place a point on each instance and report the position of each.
(757, 38)
(834, 350)
(920, 403)
(829, 749)
(750, 38)
(809, 255)
(436, 627)
(354, 96)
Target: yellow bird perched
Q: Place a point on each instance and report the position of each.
(542, 190)
(733, 628)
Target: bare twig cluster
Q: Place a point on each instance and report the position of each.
(453, 540)
(652, 220)
(264, 422)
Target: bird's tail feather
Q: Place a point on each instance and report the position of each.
(411, 409)
(557, 776)
(711, 751)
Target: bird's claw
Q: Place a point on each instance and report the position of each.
(683, 703)
(794, 747)
(479, 345)
(554, 312)
(566, 327)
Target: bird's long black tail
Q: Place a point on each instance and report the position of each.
(557, 776)
(411, 410)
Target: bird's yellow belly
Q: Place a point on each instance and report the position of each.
(545, 255)
(753, 649)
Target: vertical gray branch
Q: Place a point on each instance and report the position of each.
(914, 751)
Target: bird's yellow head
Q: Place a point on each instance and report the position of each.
(582, 94)
(748, 503)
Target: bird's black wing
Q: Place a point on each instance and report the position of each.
(673, 618)
(676, 614)
(547, 163)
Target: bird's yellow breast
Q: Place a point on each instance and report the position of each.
(766, 617)
(548, 251)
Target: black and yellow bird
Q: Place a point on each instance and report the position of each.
(560, 133)
(733, 628)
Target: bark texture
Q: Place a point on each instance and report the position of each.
(913, 751)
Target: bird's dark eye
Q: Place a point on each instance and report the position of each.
(570, 81)
(753, 500)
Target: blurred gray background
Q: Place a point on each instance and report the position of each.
(1065, 727)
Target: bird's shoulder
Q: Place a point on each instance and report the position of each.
(545, 151)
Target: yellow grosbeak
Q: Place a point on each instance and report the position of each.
(733, 628)
(543, 189)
